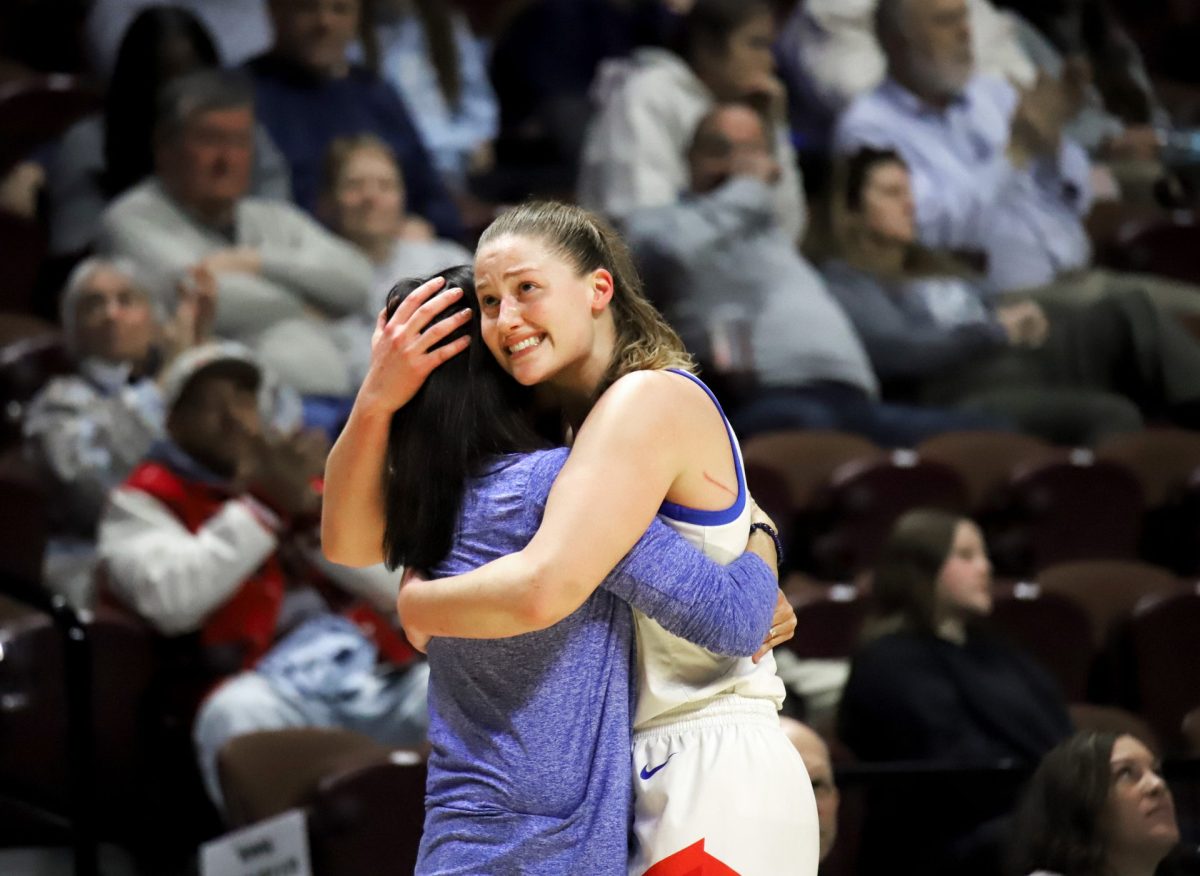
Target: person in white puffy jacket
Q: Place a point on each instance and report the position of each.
(213, 536)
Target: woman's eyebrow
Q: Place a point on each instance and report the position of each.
(1128, 761)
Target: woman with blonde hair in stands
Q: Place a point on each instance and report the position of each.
(363, 200)
(716, 782)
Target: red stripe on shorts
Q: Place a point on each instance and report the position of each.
(692, 861)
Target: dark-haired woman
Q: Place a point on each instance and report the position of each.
(929, 684)
(530, 735)
(1097, 806)
(105, 154)
(1070, 373)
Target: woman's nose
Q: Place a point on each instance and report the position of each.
(510, 313)
(1153, 783)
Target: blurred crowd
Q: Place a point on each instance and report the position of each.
(889, 218)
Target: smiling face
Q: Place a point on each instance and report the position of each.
(964, 584)
(368, 198)
(540, 317)
(1140, 813)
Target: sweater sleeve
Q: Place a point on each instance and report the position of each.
(172, 577)
(325, 270)
(899, 346)
(726, 609)
(164, 245)
(690, 227)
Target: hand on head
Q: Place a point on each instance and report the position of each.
(401, 354)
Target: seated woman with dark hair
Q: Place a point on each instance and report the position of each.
(1071, 373)
(1096, 806)
(930, 684)
(960, 709)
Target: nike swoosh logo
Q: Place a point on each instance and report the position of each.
(647, 773)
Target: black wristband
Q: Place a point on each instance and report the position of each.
(770, 530)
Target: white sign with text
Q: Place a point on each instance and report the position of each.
(275, 847)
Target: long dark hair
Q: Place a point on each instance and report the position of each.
(904, 588)
(129, 111)
(1058, 826)
(468, 412)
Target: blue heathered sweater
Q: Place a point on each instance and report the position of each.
(530, 765)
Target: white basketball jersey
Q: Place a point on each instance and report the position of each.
(675, 676)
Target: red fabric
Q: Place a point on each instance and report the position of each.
(692, 861)
(393, 646)
(248, 618)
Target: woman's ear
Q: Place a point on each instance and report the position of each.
(602, 289)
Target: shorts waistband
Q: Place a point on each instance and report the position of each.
(727, 709)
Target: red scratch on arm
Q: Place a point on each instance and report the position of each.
(719, 485)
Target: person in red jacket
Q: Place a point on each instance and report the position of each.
(214, 536)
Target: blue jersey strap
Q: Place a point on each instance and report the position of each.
(684, 514)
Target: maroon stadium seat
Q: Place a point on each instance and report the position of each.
(1165, 634)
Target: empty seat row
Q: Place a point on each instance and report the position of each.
(835, 496)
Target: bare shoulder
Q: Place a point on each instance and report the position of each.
(653, 395)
